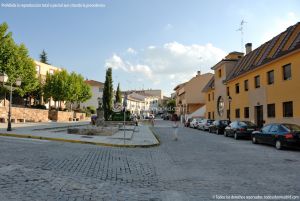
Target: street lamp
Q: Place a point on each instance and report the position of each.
(4, 78)
(229, 101)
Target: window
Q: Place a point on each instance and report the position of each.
(208, 97)
(213, 115)
(220, 106)
(237, 113)
(266, 129)
(100, 90)
(257, 81)
(220, 73)
(213, 96)
(246, 112)
(271, 110)
(288, 109)
(237, 88)
(37, 69)
(227, 90)
(246, 85)
(208, 115)
(274, 129)
(270, 76)
(287, 72)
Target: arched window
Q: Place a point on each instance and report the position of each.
(220, 105)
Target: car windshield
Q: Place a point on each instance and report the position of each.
(209, 121)
(246, 123)
(292, 127)
(224, 122)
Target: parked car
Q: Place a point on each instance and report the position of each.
(239, 129)
(187, 122)
(278, 135)
(204, 124)
(194, 122)
(218, 126)
(166, 117)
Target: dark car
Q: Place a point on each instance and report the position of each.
(187, 122)
(239, 129)
(280, 135)
(218, 126)
(166, 117)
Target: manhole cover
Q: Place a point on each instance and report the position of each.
(84, 136)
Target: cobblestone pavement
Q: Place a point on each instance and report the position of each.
(196, 167)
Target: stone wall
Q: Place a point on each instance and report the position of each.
(38, 115)
(55, 115)
(24, 114)
(80, 116)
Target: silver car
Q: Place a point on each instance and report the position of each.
(195, 122)
(204, 124)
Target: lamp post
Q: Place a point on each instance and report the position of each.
(4, 78)
(229, 101)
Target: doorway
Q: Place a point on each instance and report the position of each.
(259, 116)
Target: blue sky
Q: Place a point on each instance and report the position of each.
(149, 43)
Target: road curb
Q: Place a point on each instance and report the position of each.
(78, 141)
(155, 135)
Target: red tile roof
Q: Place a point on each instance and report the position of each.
(94, 83)
(278, 46)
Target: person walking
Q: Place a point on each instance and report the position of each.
(175, 127)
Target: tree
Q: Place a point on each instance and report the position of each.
(44, 57)
(62, 86)
(78, 91)
(118, 94)
(16, 63)
(108, 94)
(171, 104)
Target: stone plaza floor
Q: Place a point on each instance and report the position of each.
(199, 166)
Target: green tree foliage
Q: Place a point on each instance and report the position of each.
(171, 104)
(118, 94)
(16, 63)
(62, 86)
(108, 94)
(44, 57)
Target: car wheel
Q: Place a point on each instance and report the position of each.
(236, 137)
(278, 145)
(225, 134)
(254, 140)
(217, 132)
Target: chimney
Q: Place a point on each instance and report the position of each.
(248, 47)
(198, 72)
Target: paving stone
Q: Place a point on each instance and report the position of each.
(196, 167)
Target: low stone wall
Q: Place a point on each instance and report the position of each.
(55, 115)
(37, 115)
(80, 116)
(24, 115)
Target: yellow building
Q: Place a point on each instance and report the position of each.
(189, 95)
(261, 86)
(42, 69)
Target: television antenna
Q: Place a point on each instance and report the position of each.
(241, 29)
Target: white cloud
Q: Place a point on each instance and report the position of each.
(280, 25)
(131, 51)
(169, 63)
(117, 63)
